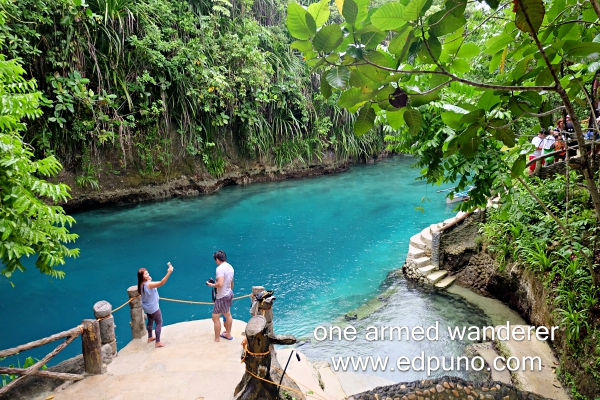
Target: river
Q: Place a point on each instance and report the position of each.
(324, 245)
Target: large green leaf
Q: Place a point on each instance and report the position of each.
(350, 97)
(470, 148)
(325, 88)
(518, 166)
(372, 73)
(350, 11)
(452, 119)
(473, 117)
(488, 100)
(399, 40)
(443, 23)
(319, 12)
(372, 39)
(576, 48)
(469, 141)
(505, 135)
(338, 77)
(363, 10)
(414, 120)
(389, 16)
(558, 6)
(468, 50)
(460, 65)
(328, 38)
(529, 9)
(430, 54)
(497, 43)
(417, 100)
(402, 55)
(297, 22)
(456, 7)
(412, 11)
(544, 78)
(302, 45)
(395, 119)
(378, 58)
(589, 15)
(365, 120)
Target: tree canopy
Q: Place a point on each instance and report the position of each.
(451, 80)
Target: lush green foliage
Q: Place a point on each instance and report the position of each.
(483, 69)
(29, 225)
(149, 83)
(520, 233)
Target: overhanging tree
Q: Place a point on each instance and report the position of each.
(387, 62)
(30, 221)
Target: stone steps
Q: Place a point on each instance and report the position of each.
(434, 228)
(436, 276)
(426, 270)
(421, 262)
(414, 252)
(417, 242)
(444, 283)
(426, 237)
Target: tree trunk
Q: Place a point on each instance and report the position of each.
(264, 364)
(252, 388)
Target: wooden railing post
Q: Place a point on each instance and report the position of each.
(103, 312)
(91, 346)
(138, 330)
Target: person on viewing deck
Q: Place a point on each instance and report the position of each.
(224, 296)
(549, 147)
(560, 125)
(538, 142)
(560, 145)
(149, 292)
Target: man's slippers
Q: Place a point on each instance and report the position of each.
(225, 337)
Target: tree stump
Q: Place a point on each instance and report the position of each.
(261, 357)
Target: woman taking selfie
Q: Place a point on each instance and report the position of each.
(149, 292)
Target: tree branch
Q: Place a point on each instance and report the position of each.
(596, 7)
(529, 114)
(465, 81)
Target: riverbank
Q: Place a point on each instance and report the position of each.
(130, 186)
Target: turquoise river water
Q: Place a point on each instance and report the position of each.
(324, 245)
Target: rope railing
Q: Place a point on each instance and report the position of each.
(69, 336)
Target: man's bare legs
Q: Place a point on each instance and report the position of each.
(217, 325)
(228, 324)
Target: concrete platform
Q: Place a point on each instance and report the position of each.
(190, 366)
(193, 366)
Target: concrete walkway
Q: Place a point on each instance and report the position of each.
(191, 366)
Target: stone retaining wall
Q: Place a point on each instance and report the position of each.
(457, 243)
(447, 388)
(560, 167)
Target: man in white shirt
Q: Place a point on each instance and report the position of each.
(538, 142)
(224, 296)
(548, 145)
